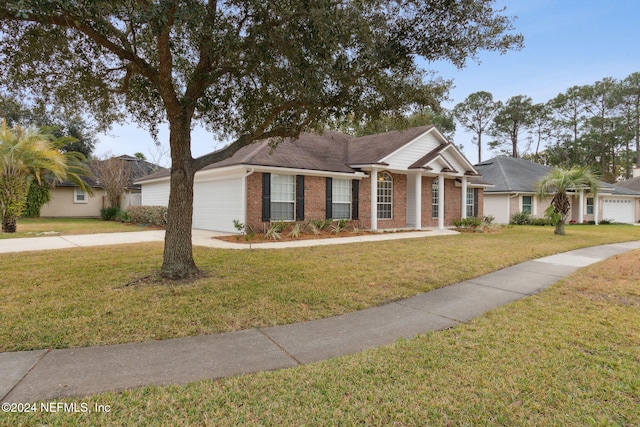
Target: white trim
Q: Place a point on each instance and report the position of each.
(464, 197)
(288, 198)
(443, 141)
(581, 207)
(310, 172)
(403, 146)
(378, 181)
(533, 203)
(85, 196)
(229, 171)
(418, 200)
(348, 186)
(462, 157)
(441, 208)
(374, 199)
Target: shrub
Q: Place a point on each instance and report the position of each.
(37, 196)
(520, 218)
(110, 213)
(296, 230)
(244, 229)
(339, 226)
(153, 215)
(274, 232)
(316, 226)
(470, 222)
(488, 219)
(540, 221)
(605, 221)
(122, 216)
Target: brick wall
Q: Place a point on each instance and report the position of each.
(254, 201)
(315, 196)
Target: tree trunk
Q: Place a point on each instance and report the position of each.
(559, 228)
(9, 224)
(178, 260)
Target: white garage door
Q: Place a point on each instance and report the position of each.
(217, 203)
(619, 210)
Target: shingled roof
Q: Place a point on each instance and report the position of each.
(326, 152)
(631, 184)
(330, 151)
(510, 175)
(138, 169)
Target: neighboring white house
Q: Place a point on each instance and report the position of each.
(514, 191)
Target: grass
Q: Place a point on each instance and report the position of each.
(34, 227)
(569, 356)
(77, 297)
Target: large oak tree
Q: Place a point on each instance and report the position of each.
(247, 70)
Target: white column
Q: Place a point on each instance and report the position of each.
(441, 201)
(418, 197)
(464, 197)
(374, 199)
(596, 209)
(581, 208)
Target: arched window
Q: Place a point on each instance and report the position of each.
(385, 196)
(435, 199)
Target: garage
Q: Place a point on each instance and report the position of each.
(618, 210)
(216, 203)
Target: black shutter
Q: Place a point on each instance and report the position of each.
(329, 199)
(266, 197)
(355, 199)
(299, 197)
(476, 192)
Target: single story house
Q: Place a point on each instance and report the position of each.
(401, 179)
(68, 200)
(514, 191)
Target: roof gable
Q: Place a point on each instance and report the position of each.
(372, 149)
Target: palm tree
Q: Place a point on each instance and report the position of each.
(559, 182)
(28, 154)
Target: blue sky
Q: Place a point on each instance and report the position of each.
(567, 43)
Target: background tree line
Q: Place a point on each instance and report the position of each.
(594, 125)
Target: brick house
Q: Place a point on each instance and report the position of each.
(416, 177)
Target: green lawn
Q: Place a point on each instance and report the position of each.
(35, 227)
(77, 297)
(569, 356)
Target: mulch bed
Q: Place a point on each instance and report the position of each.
(260, 238)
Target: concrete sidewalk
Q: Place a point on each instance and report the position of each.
(48, 374)
(199, 237)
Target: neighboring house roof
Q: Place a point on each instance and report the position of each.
(334, 151)
(511, 175)
(139, 169)
(631, 184)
